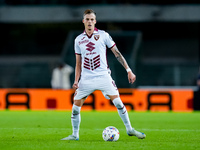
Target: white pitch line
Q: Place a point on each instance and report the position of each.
(185, 130)
(165, 130)
(36, 128)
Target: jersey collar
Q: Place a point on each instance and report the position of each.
(95, 31)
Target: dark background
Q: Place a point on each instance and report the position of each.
(168, 56)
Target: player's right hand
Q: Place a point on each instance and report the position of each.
(131, 77)
(75, 86)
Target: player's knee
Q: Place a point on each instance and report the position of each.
(78, 103)
(113, 97)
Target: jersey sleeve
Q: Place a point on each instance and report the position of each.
(76, 47)
(109, 41)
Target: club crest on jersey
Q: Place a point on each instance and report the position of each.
(96, 37)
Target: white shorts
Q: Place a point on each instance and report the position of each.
(104, 83)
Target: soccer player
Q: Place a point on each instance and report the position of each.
(92, 73)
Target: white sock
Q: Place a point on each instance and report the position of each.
(122, 113)
(76, 119)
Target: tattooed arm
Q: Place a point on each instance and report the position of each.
(121, 59)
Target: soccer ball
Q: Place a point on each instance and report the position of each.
(110, 134)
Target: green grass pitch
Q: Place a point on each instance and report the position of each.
(42, 130)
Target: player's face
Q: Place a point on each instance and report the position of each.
(89, 21)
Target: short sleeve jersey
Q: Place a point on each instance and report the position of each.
(93, 52)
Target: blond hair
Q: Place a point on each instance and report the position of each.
(88, 11)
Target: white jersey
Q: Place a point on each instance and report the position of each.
(93, 52)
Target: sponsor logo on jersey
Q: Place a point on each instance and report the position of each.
(91, 53)
(90, 46)
(82, 42)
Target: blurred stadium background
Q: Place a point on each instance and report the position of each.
(159, 39)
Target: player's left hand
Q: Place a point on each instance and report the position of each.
(131, 77)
